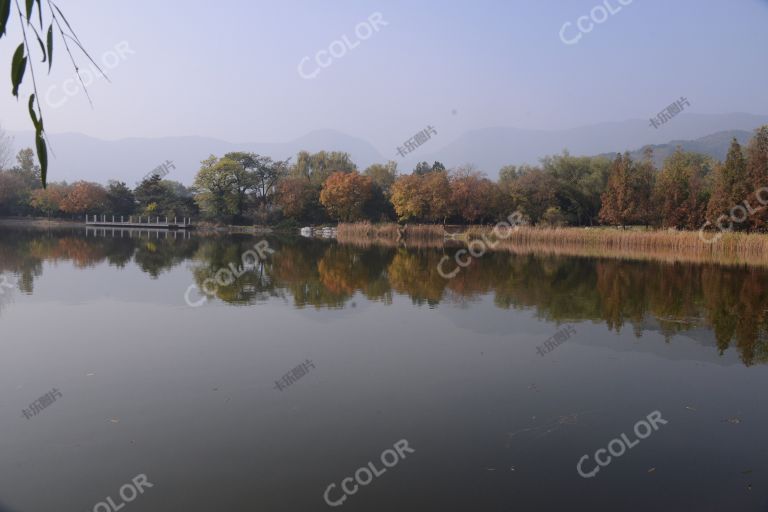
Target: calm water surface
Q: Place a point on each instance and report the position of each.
(382, 349)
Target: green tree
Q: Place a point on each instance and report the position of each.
(215, 190)
(382, 175)
(316, 167)
(120, 199)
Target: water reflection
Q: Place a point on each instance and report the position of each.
(730, 301)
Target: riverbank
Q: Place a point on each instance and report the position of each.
(39, 222)
(664, 245)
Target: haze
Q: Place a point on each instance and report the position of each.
(229, 70)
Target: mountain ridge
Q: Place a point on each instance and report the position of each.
(83, 157)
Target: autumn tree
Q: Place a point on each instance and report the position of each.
(757, 176)
(298, 198)
(731, 186)
(681, 191)
(48, 200)
(472, 194)
(436, 190)
(84, 198)
(344, 195)
(629, 191)
(407, 198)
(425, 197)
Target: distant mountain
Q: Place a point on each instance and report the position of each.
(492, 148)
(79, 156)
(715, 145)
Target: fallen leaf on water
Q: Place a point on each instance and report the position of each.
(652, 470)
(734, 421)
(90, 374)
(113, 420)
(490, 469)
(690, 408)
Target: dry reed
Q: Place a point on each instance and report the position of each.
(664, 245)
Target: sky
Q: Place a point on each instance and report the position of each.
(230, 70)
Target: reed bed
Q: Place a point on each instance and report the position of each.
(389, 232)
(661, 245)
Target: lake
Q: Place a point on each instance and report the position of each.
(325, 376)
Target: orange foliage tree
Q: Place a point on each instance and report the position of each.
(344, 195)
(84, 197)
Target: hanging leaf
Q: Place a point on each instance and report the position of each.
(38, 124)
(30, 4)
(5, 11)
(49, 40)
(40, 13)
(42, 47)
(42, 156)
(18, 66)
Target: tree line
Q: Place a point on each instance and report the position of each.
(563, 190)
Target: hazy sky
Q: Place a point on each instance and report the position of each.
(230, 69)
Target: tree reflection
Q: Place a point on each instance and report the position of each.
(731, 301)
